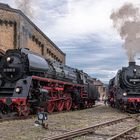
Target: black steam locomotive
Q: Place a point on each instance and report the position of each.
(124, 88)
(30, 83)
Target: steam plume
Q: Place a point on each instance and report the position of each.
(25, 6)
(127, 21)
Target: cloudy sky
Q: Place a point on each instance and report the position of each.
(84, 31)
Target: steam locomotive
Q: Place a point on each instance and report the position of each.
(124, 89)
(30, 83)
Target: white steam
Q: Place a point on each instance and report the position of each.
(127, 21)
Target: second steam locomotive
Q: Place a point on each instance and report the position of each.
(124, 88)
(29, 83)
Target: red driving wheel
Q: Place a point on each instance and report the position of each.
(50, 106)
(60, 105)
(68, 104)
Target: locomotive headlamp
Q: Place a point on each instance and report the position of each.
(8, 59)
(124, 94)
(134, 70)
(18, 90)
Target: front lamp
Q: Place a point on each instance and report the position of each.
(124, 94)
(135, 70)
(18, 90)
(8, 59)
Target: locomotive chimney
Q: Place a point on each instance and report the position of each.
(132, 63)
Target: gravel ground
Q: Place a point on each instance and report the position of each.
(58, 123)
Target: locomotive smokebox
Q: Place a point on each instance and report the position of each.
(132, 63)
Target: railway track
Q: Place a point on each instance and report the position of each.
(121, 135)
(91, 129)
(33, 116)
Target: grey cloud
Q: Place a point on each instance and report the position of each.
(95, 56)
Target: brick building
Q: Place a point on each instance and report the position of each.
(17, 31)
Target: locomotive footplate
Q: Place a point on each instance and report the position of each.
(133, 100)
(8, 101)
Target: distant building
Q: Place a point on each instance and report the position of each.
(100, 87)
(17, 31)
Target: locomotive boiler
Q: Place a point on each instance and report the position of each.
(124, 88)
(30, 83)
